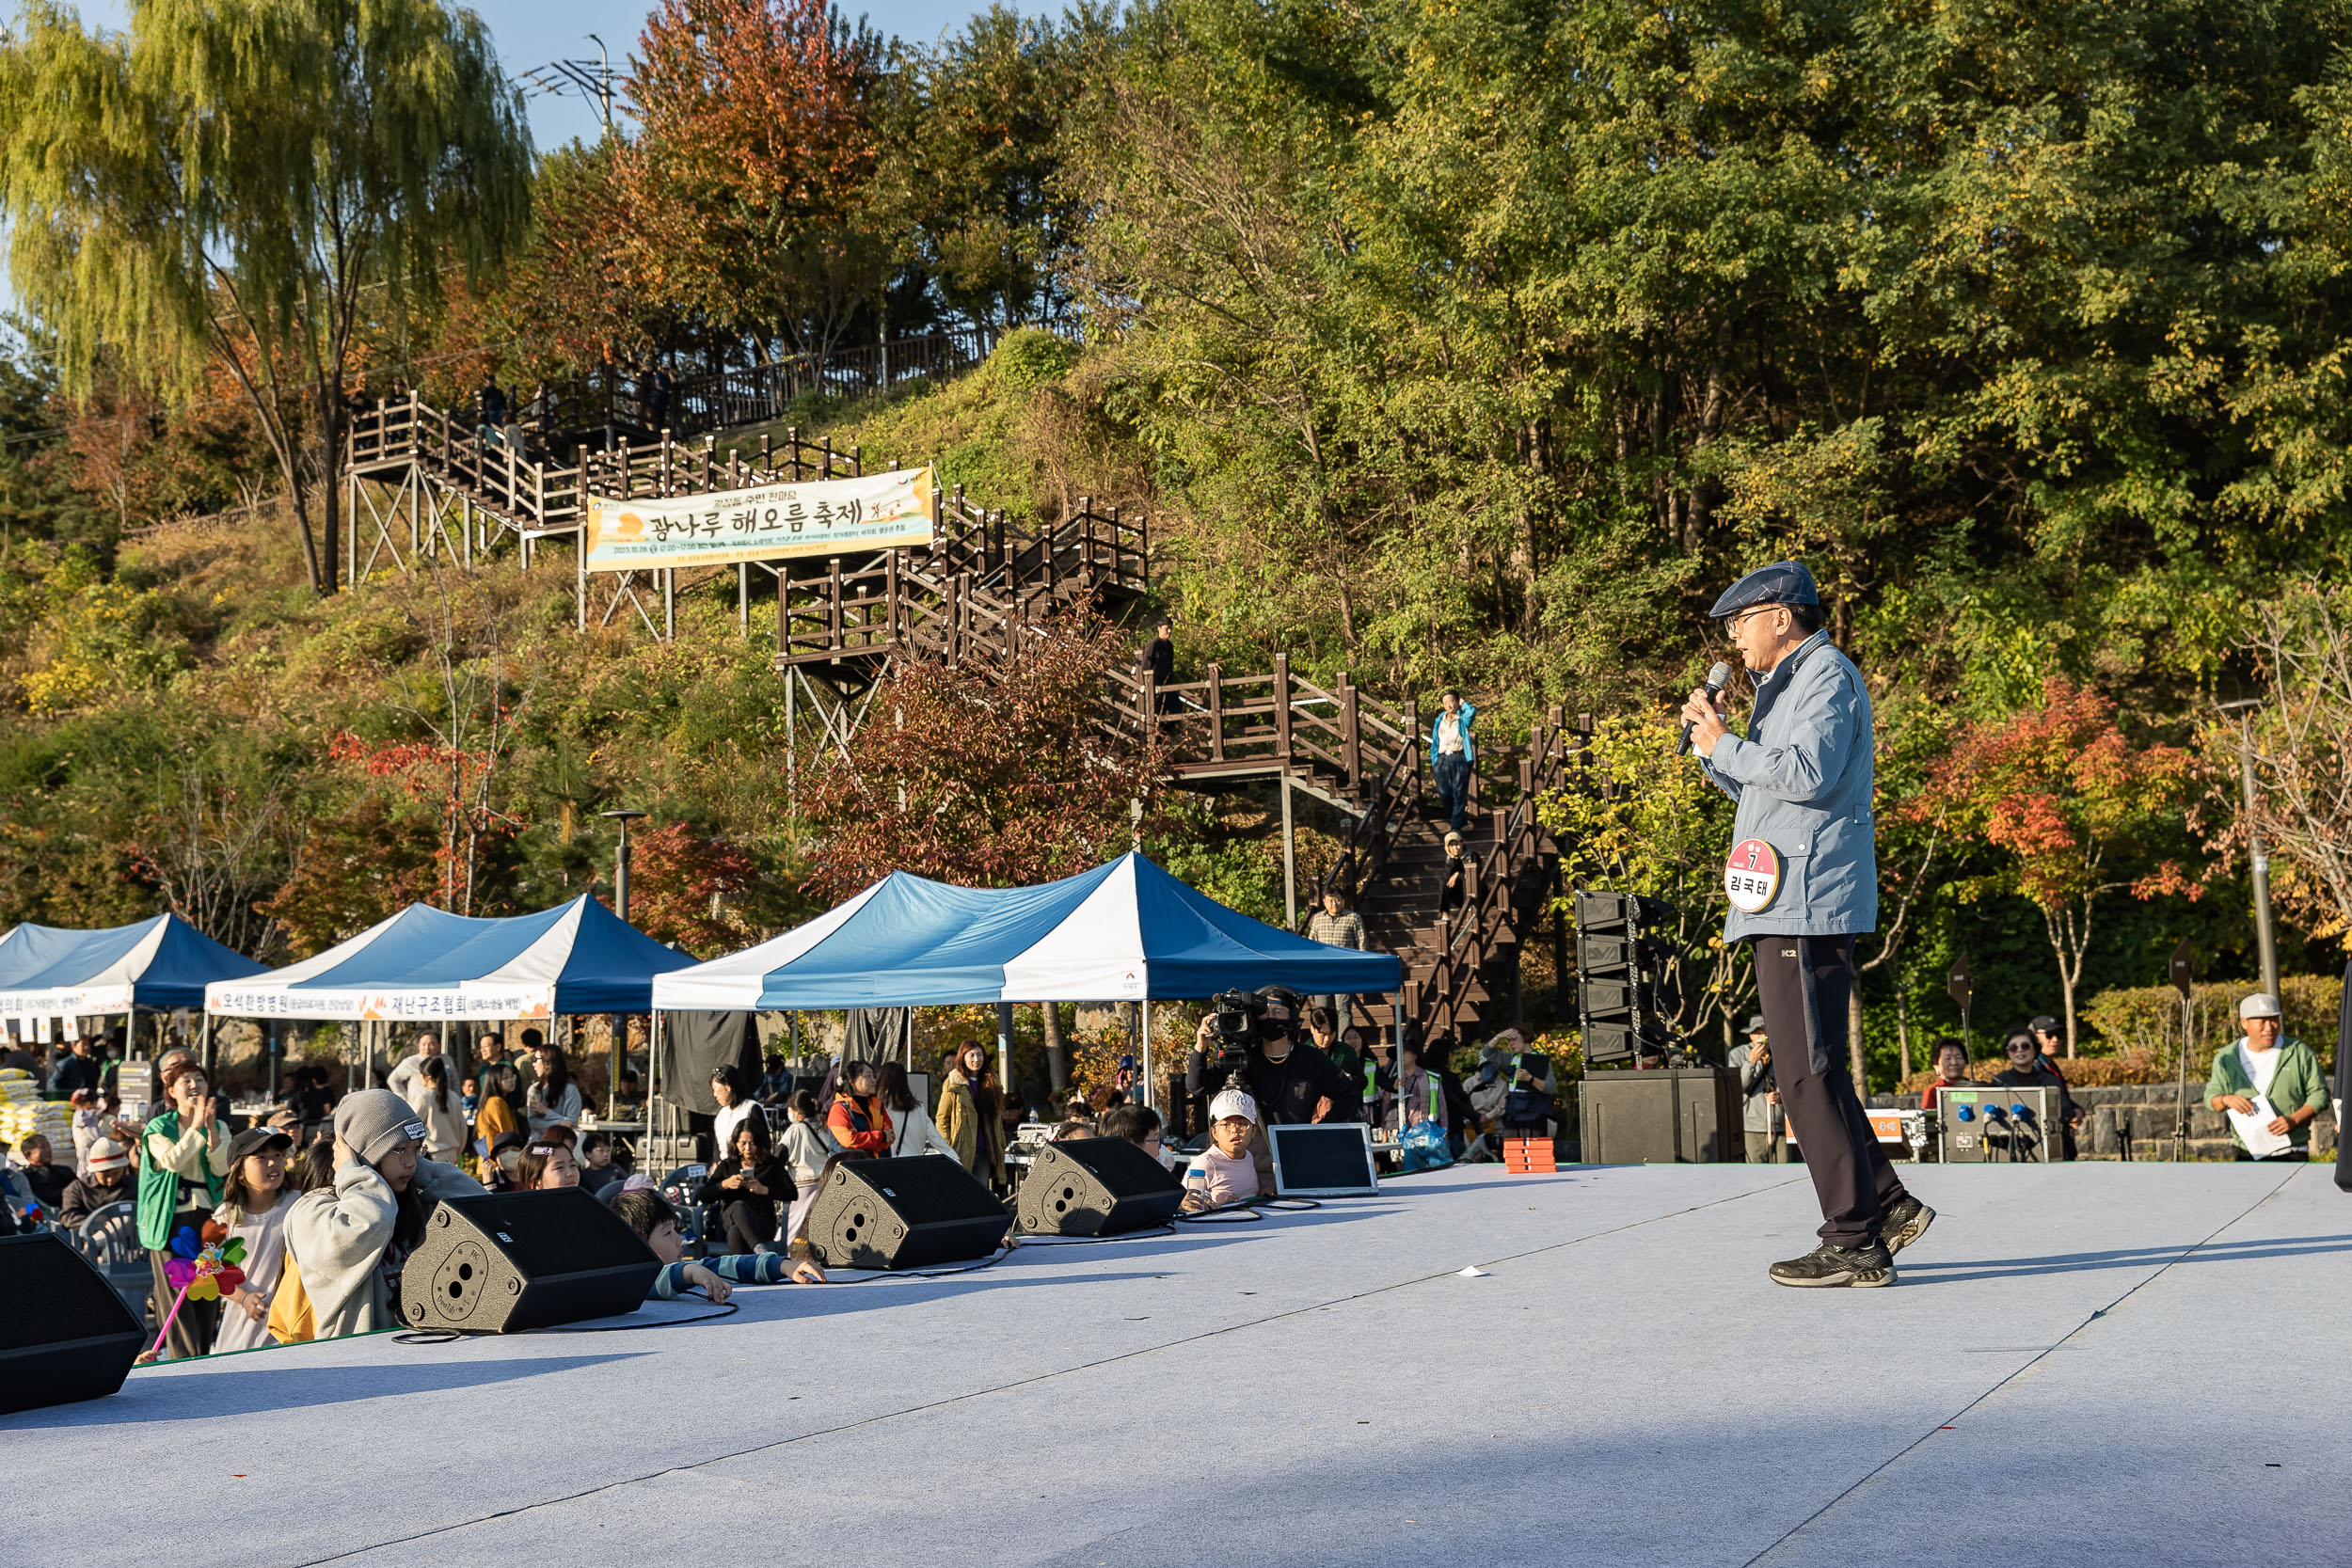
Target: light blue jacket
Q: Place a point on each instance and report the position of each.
(1469, 748)
(1803, 780)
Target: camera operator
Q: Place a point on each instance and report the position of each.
(1260, 1038)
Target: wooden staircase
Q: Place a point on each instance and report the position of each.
(987, 583)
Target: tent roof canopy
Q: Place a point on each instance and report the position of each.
(1122, 931)
(164, 962)
(427, 964)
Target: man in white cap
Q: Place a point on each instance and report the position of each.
(2271, 1084)
(1224, 1172)
(110, 1180)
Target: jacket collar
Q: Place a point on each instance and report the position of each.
(1795, 656)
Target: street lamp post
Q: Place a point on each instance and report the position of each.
(620, 858)
(2259, 856)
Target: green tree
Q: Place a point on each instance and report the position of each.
(251, 184)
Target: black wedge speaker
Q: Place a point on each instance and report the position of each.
(1095, 1187)
(65, 1333)
(507, 1261)
(905, 1213)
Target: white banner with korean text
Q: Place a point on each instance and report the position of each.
(767, 522)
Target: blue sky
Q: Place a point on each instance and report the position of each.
(533, 32)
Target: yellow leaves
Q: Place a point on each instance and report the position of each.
(92, 645)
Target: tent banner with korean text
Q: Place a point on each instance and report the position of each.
(767, 522)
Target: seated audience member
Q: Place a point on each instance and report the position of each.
(649, 1214)
(552, 1096)
(737, 1106)
(109, 1181)
(911, 1130)
(1224, 1173)
(1419, 1092)
(775, 1082)
(2026, 1069)
(546, 1167)
(43, 1176)
(255, 1200)
(808, 1142)
(1071, 1131)
(745, 1188)
(1138, 1125)
(497, 1117)
(1951, 1071)
(597, 1170)
(347, 1242)
(858, 1122)
(501, 1168)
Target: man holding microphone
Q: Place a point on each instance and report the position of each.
(1803, 879)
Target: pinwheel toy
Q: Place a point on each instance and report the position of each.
(201, 1269)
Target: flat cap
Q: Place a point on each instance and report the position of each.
(1782, 582)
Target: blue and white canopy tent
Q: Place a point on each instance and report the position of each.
(155, 965)
(1124, 931)
(427, 965)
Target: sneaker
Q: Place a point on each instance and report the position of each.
(1833, 1265)
(1905, 1221)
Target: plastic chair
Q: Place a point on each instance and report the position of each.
(110, 1239)
(679, 1187)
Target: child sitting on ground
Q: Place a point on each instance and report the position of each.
(1224, 1173)
(649, 1214)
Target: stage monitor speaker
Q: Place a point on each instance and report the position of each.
(65, 1333)
(906, 1213)
(504, 1263)
(1095, 1187)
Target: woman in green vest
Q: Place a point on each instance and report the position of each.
(183, 1157)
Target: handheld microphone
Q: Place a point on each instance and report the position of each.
(1717, 678)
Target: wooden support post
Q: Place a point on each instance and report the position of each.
(1283, 731)
(668, 604)
(742, 595)
(792, 448)
(1290, 859)
(1351, 734)
(1216, 712)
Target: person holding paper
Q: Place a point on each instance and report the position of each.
(2271, 1086)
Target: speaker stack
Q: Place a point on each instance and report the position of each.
(504, 1263)
(65, 1333)
(1095, 1187)
(1624, 985)
(904, 1213)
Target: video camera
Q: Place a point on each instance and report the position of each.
(1240, 1020)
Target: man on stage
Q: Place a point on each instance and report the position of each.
(1802, 879)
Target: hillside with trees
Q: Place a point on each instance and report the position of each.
(1474, 345)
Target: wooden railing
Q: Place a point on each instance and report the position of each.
(1467, 939)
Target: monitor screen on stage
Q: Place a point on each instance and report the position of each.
(1325, 1160)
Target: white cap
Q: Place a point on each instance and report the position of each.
(2261, 1005)
(1232, 1102)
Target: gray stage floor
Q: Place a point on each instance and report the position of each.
(2086, 1364)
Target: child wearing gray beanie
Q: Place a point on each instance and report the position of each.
(349, 1238)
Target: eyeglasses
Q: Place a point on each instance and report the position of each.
(1733, 624)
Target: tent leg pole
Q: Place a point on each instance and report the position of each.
(1144, 1009)
(1004, 1047)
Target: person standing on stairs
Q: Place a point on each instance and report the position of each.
(1803, 879)
(1159, 663)
(1451, 753)
(1336, 926)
